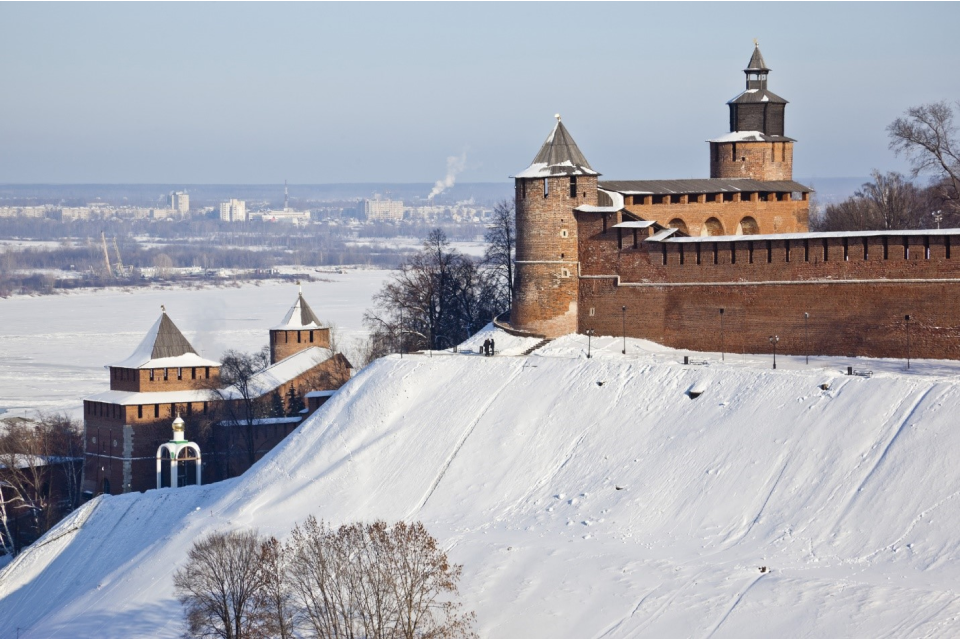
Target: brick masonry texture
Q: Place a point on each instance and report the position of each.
(283, 344)
(769, 215)
(546, 284)
(753, 160)
(766, 287)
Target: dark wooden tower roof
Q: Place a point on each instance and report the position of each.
(757, 108)
(559, 155)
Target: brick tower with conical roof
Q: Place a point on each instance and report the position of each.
(299, 331)
(546, 284)
(756, 147)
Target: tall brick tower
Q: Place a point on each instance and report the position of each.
(546, 284)
(756, 147)
(299, 331)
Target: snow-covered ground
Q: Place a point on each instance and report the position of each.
(53, 348)
(617, 496)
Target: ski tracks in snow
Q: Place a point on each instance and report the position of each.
(736, 602)
(463, 439)
(908, 416)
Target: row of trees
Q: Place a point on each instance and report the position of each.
(439, 296)
(360, 580)
(927, 137)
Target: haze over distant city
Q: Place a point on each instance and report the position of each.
(326, 93)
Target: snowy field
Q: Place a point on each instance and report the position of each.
(53, 348)
(603, 498)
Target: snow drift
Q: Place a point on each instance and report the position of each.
(585, 498)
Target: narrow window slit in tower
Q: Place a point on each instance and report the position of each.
(826, 244)
(806, 250)
(573, 186)
(906, 247)
(786, 249)
(846, 249)
(769, 252)
(886, 248)
(664, 249)
(866, 249)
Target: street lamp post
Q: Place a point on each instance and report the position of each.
(773, 340)
(589, 333)
(806, 342)
(623, 310)
(722, 349)
(906, 320)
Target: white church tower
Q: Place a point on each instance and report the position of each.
(177, 449)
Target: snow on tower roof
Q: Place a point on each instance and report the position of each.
(559, 155)
(299, 317)
(164, 347)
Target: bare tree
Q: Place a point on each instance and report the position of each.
(375, 580)
(927, 136)
(888, 202)
(220, 585)
(437, 298)
(241, 401)
(274, 604)
(39, 483)
(501, 239)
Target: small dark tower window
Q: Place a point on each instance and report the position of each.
(546, 187)
(573, 186)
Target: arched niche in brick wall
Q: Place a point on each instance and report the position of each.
(680, 225)
(711, 227)
(748, 226)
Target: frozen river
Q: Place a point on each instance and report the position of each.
(53, 348)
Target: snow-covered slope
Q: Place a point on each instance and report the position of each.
(585, 498)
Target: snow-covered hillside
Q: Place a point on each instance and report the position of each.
(585, 498)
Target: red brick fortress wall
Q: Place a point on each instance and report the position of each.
(856, 291)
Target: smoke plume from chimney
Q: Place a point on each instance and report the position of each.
(454, 166)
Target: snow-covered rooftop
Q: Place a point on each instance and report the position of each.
(559, 155)
(128, 398)
(299, 317)
(750, 136)
(282, 372)
(635, 224)
(164, 346)
(616, 203)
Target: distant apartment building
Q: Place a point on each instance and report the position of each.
(381, 210)
(180, 202)
(286, 215)
(26, 211)
(233, 211)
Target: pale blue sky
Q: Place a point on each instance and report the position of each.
(314, 93)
